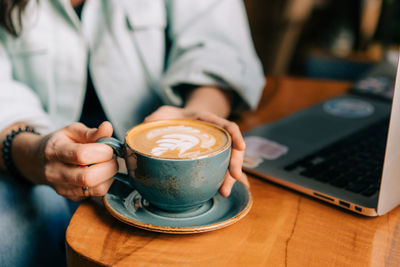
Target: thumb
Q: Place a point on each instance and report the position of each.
(82, 134)
(105, 130)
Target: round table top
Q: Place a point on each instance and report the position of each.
(283, 227)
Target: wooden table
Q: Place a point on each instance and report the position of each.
(283, 228)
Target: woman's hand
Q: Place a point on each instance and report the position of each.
(238, 145)
(69, 159)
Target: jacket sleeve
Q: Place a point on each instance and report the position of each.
(211, 45)
(18, 103)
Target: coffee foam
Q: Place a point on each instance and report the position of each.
(177, 139)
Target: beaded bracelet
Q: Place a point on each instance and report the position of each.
(7, 159)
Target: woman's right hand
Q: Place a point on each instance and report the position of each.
(70, 159)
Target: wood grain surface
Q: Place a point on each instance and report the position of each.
(283, 228)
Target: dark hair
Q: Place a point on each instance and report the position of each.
(7, 7)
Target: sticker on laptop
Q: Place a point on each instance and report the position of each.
(348, 108)
(258, 149)
(251, 162)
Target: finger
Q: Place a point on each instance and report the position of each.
(82, 134)
(58, 173)
(81, 154)
(236, 163)
(95, 191)
(76, 193)
(231, 127)
(227, 184)
(101, 189)
(89, 176)
(244, 180)
(69, 192)
(237, 138)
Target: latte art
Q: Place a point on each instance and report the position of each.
(183, 139)
(177, 139)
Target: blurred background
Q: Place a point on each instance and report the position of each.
(333, 39)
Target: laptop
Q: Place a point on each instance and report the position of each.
(345, 150)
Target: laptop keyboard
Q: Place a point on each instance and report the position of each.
(354, 163)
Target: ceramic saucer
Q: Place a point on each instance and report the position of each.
(129, 207)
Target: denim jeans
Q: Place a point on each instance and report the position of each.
(33, 221)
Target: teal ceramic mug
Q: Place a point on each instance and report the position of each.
(175, 165)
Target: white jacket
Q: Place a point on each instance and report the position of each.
(43, 72)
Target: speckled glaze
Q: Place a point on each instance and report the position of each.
(128, 206)
(178, 185)
(174, 185)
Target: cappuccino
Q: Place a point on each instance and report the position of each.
(177, 139)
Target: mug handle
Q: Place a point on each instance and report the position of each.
(117, 146)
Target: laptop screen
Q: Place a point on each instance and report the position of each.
(389, 196)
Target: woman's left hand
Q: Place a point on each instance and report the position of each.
(238, 145)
